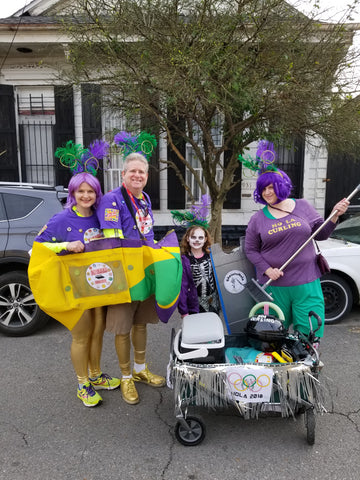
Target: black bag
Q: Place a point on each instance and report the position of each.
(322, 262)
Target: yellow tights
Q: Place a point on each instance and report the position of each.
(86, 346)
(122, 346)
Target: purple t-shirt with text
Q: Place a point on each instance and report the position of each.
(270, 242)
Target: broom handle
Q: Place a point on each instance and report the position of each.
(354, 192)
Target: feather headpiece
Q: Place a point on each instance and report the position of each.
(265, 158)
(196, 215)
(144, 143)
(80, 159)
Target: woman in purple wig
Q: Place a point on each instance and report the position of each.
(69, 231)
(276, 231)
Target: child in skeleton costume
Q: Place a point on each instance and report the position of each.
(198, 288)
(126, 213)
(276, 232)
(68, 232)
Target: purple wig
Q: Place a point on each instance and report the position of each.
(281, 182)
(75, 183)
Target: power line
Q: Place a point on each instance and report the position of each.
(13, 39)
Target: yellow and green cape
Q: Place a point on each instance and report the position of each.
(114, 271)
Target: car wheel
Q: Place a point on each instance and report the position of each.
(19, 313)
(338, 297)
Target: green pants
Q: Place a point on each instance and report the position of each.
(296, 303)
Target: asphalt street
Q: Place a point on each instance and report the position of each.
(47, 434)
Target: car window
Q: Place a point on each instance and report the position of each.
(348, 230)
(19, 206)
(2, 211)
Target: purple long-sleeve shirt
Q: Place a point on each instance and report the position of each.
(270, 242)
(113, 212)
(66, 226)
(188, 298)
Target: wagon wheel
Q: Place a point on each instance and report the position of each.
(310, 426)
(172, 338)
(191, 436)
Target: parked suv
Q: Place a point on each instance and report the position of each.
(24, 209)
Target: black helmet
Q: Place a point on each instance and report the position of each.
(265, 332)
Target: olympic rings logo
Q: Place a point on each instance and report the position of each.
(248, 382)
(91, 165)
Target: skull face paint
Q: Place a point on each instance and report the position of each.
(197, 239)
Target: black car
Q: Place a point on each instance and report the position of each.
(24, 209)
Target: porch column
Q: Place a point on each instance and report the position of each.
(78, 115)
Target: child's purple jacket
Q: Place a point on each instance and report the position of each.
(188, 299)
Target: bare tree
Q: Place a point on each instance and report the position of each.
(260, 67)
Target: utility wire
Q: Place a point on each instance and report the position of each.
(13, 39)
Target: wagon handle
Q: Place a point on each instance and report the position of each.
(318, 318)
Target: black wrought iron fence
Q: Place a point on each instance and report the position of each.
(37, 152)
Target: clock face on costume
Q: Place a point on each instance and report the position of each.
(99, 276)
(144, 222)
(235, 281)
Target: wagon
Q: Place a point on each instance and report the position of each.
(210, 369)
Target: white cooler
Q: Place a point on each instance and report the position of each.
(202, 338)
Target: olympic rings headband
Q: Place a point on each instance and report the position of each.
(197, 215)
(79, 159)
(264, 162)
(144, 143)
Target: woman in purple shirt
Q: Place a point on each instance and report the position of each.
(274, 234)
(69, 231)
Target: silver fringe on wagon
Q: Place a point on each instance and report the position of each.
(294, 385)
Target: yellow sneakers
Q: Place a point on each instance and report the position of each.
(128, 391)
(105, 382)
(145, 376)
(87, 394)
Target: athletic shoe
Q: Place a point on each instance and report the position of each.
(87, 394)
(105, 382)
(145, 376)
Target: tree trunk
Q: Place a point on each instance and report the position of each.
(216, 221)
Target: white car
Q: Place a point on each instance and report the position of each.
(341, 287)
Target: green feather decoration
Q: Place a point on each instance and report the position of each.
(70, 154)
(147, 143)
(188, 219)
(249, 163)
